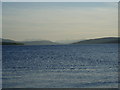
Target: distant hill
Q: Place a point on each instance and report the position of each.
(42, 42)
(6, 40)
(9, 42)
(106, 40)
(12, 42)
(67, 41)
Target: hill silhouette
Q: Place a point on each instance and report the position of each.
(12, 42)
(106, 40)
(9, 42)
(42, 42)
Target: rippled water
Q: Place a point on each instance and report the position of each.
(60, 66)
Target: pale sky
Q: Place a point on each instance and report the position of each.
(59, 21)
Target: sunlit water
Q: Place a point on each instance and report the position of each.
(60, 66)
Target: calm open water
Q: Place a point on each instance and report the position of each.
(60, 66)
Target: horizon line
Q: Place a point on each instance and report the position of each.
(64, 39)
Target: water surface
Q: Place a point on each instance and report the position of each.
(60, 66)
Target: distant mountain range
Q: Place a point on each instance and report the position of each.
(9, 42)
(106, 40)
(67, 41)
(12, 42)
(42, 42)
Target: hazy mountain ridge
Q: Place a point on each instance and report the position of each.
(105, 40)
(6, 40)
(12, 42)
(42, 42)
(67, 41)
(9, 42)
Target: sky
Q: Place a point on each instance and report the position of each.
(59, 21)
